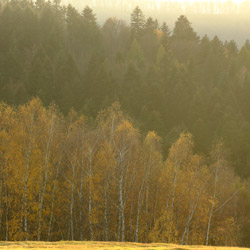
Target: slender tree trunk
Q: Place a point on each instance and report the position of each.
(7, 215)
(193, 206)
(121, 217)
(121, 207)
(173, 200)
(212, 206)
(72, 201)
(5, 188)
(43, 189)
(106, 212)
(187, 237)
(131, 215)
(53, 199)
(26, 176)
(118, 232)
(28, 151)
(80, 211)
(155, 206)
(25, 212)
(80, 194)
(148, 173)
(90, 196)
(138, 214)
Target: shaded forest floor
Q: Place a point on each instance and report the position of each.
(104, 246)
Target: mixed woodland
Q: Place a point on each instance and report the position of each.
(121, 132)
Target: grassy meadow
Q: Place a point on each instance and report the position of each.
(104, 246)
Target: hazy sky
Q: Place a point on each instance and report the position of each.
(235, 1)
(228, 19)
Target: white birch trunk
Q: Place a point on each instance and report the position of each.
(131, 215)
(53, 200)
(106, 213)
(173, 200)
(138, 214)
(28, 151)
(81, 190)
(72, 201)
(25, 188)
(212, 206)
(121, 207)
(90, 195)
(44, 187)
(193, 206)
(148, 173)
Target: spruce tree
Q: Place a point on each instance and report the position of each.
(137, 22)
(183, 30)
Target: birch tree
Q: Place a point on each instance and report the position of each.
(218, 162)
(45, 164)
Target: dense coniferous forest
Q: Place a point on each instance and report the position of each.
(228, 19)
(78, 162)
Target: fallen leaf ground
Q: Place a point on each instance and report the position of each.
(76, 245)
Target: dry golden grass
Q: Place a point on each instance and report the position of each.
(75, 245)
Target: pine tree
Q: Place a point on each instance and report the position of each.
(89, 17)
(183, 30)
(165, 36)
(91, 31)
(137, 22)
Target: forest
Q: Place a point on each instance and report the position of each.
(121, 132)
(228, 19)
(70, 178)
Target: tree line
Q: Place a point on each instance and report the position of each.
(168, 81)
(72, 178)
(205, 7)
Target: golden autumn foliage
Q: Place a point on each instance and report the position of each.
(64, 178)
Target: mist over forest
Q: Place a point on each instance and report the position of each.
(227, 19)
(124, 131)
